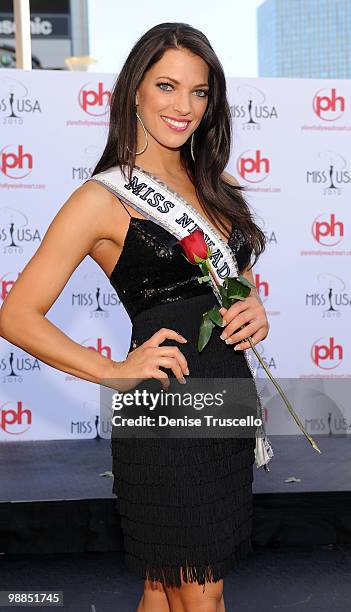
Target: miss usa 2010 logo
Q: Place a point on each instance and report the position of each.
(15, 102)
(252, 108)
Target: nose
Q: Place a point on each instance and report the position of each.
(182, 103)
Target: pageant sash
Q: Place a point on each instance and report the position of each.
(157, 202)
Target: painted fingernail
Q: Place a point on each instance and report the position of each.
(224, 322)
(237, 347)
(229, 341)
(187, 371)
(223, 336)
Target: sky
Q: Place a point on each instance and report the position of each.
(230, 26)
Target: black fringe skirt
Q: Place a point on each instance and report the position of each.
(185, 504)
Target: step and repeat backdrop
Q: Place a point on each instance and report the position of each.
(291, 151)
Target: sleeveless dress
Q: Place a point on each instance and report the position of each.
(185, 505)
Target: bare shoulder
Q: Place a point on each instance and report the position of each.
(100, 208)
(82, 222)
(93, 196)
(228, 178)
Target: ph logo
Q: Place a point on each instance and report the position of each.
(5, 287)
(327, 356)
(94, 101)
(100, 348)
(253, 168)
(15, 421)
(328, 232)
(327, 105)
(15, 163)
(262, 287)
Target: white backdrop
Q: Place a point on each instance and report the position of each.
(291, 151)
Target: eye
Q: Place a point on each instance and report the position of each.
(204, 93)
(165, 84)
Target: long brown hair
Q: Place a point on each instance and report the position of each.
(212, 138)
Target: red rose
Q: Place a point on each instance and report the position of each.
(194, 244)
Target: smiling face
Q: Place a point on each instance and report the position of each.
(172, 98)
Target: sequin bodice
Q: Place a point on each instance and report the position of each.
(152, 270)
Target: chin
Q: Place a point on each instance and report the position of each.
(171, 143)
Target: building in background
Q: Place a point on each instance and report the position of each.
(59, 29)
(304, 38)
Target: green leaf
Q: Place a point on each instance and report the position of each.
(203, 279)
(226, 302)
(203, 268)
(237, 290)
(205, 332)
(246, 282)
(215, 316)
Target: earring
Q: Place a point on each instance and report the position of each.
(192, 146)
(146, 140)
(145, 132)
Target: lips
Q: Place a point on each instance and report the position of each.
(175, 124)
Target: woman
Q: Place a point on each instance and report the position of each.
(169, 108)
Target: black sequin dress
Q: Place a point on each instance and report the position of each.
(185, 504)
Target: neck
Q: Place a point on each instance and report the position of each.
(166, 165)
(159, 159)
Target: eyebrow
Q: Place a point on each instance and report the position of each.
(177, 82)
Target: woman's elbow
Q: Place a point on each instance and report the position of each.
(12, 321)
(5, 321)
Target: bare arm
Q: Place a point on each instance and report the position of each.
(250, 312)
(249, 275)
(78, 226)
(246, 272)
